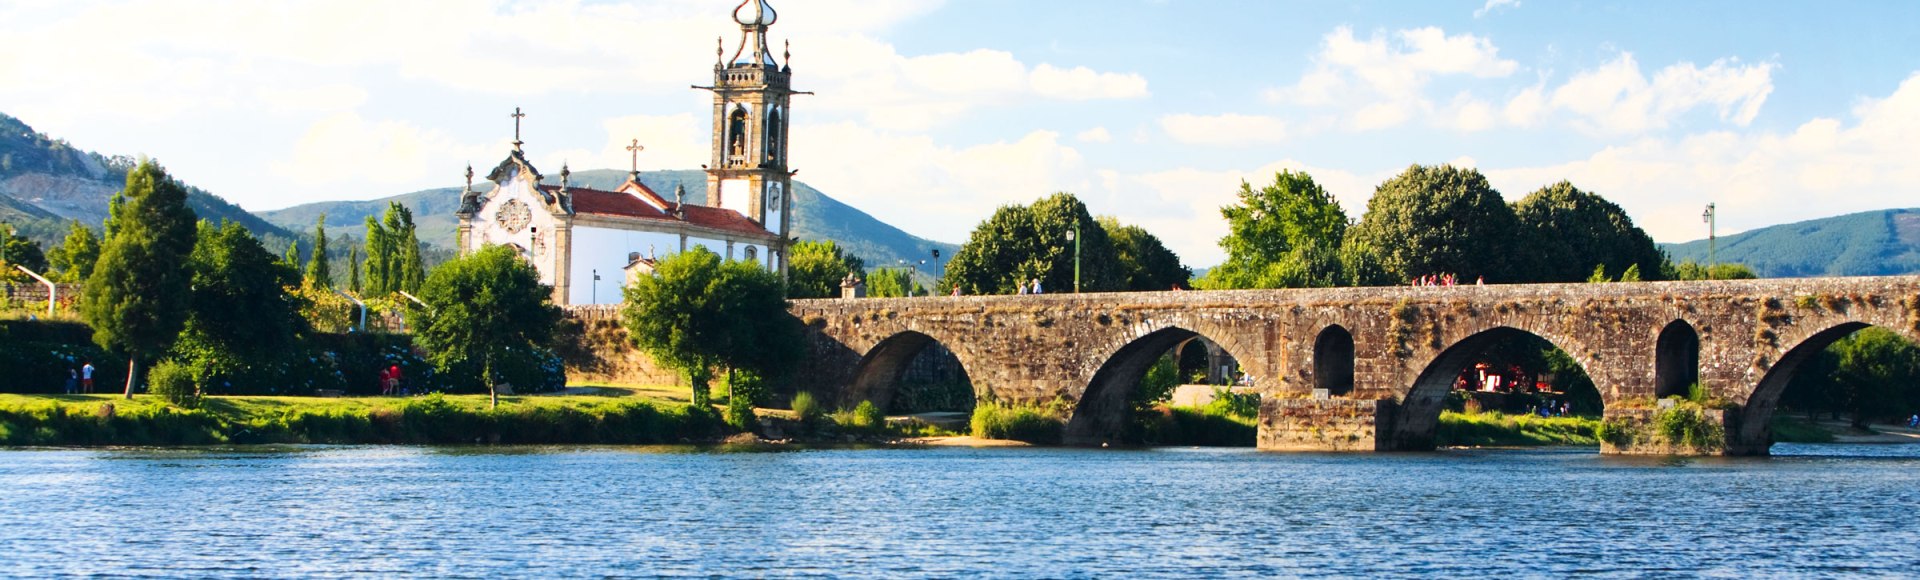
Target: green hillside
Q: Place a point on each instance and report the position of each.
(816, 216)
(1873, 243)
(45, 181)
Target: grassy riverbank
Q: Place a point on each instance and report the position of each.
(612, 416)
(1485, 429)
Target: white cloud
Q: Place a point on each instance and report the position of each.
(1494, 5)
(1094, 135)
(1082, 83)
(1616, 98)
(1754, 179)
(1226, 130)
(345, 148)
(1380, 82)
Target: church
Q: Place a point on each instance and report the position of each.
(577, 237)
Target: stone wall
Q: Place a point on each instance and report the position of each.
(598, 351)
(1323, 424)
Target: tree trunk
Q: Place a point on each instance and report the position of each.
(493, 396)
(133, 363)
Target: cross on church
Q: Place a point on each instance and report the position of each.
(635, 148)
(517, 115)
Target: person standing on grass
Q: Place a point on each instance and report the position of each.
(393, 379)
(86, 378)
(73, 380)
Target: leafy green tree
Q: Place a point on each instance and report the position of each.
(319, 274)
(1690, 270)
(136, 299)
(893, 283)
(1144, 262)
(1440, 220)
(1022, 243)
(292, 257)
(487, 319)
(394, 262)
(1280, 235)
(1566, 232)
(1871, 374)
(353, 268)
(73, 259)
(243, 326)
(16, 249)
(815, 269)
(698, 313)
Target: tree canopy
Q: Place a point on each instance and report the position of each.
(393, 259)
(319, 274)
(1871, 374)
(73, 259)
(242, 324)
(698, 313)
(1022, 243)
(1567, 233)
(488, 320)
(1144, 262)
(136, 299)
(816, 268)
(1284, 235)
(1440, 220)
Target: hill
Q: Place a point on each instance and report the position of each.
(44, 182)
(816, 215)
(1873, 243)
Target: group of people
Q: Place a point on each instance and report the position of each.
(390, 381)
(80, 380)
(1030, 286)
(1553, 409)
(1445, 280)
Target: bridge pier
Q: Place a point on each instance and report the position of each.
(1341, 425)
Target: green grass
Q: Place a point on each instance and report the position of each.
(1794, 430)
(1216, 424)
(614, 416)
(1501, 429)
(1032, 424)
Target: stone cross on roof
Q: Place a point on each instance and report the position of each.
(517, 115)
(636, 148)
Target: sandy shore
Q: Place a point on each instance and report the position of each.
(962, 441)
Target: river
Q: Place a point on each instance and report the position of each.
(947, 512)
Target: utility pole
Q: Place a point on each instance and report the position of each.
(1708, 217)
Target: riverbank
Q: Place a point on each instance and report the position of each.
(601, 416)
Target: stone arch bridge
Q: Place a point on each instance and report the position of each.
(1364, 368)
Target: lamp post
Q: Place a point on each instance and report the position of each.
(1708, 217)
(1074, 236)
(596, 285)
(936, 266)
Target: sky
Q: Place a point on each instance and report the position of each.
(930, 114)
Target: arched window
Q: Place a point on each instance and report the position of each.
(773, 135)
(1677, 360)
(737, 134)
(1333, 361)
(752, 253)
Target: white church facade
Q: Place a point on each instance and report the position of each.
(588, 243)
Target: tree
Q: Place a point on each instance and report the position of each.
(1566, 232)
(1690, 270)
(353, 268)
(1022, 243)
(394, 261)
(136, 299)
(241, 320)
(697, 313)
(73, 259)
(893, 283)
(1439, 220)
(16, 249)
(319, 274)
(487, 319)
(292, 257)
(1144, 262)
(815, 269)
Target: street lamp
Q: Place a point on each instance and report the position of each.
(1707, 217)
(596, 285)
(1074, 236)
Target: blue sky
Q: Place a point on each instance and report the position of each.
(932, 114)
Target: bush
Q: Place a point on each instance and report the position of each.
(1212, 425)
(806, 409)
(174, 382)
(992, 420)
(740, 413)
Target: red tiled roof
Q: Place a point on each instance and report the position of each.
(625, 205)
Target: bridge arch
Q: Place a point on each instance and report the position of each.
(878, 376)
(1418, 416)
(1333, 359)
(1101, 414)
(1676, 359)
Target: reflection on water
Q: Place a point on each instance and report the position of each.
(491, 512)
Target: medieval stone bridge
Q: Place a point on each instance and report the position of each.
(1386, 357)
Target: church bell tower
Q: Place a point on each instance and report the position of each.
(749, 171)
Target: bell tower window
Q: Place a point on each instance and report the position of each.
(773, 136)
(737, 136)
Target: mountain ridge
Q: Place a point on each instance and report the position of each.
(1871, 243)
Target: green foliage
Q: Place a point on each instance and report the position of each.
(136, 299)
(1482, 429)
(816, 268)
(893, 283)
(1599, 275)
(39, 356)
(697, 313)
(1871, 374)
(1022, 243)
(72, 261)
(864, 418)
(1210, 426)
(1690, 270)
(489, 320)
(1564, 230)
(319, 274)
(807, 410)
(18, 250)
(1285, 235)
(1440, 220)
(1687, 426)
(174, 382)
(243, 328)
(1157, 385)
(393, 261)
(1145, 264)
(1032, 424)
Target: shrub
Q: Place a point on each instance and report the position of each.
(740, 413)
(1031, 424)
(175, 383)
(806, 409)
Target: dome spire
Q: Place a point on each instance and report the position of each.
(754, 17)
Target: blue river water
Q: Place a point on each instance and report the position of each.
(1812, 510)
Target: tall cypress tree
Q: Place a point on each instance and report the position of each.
(379, 259)
(318, 274)
(353, 268)
(137, 298)
(292, 257)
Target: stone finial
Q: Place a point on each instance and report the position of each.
(853, 287)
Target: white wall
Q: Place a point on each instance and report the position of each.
(606, 250)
